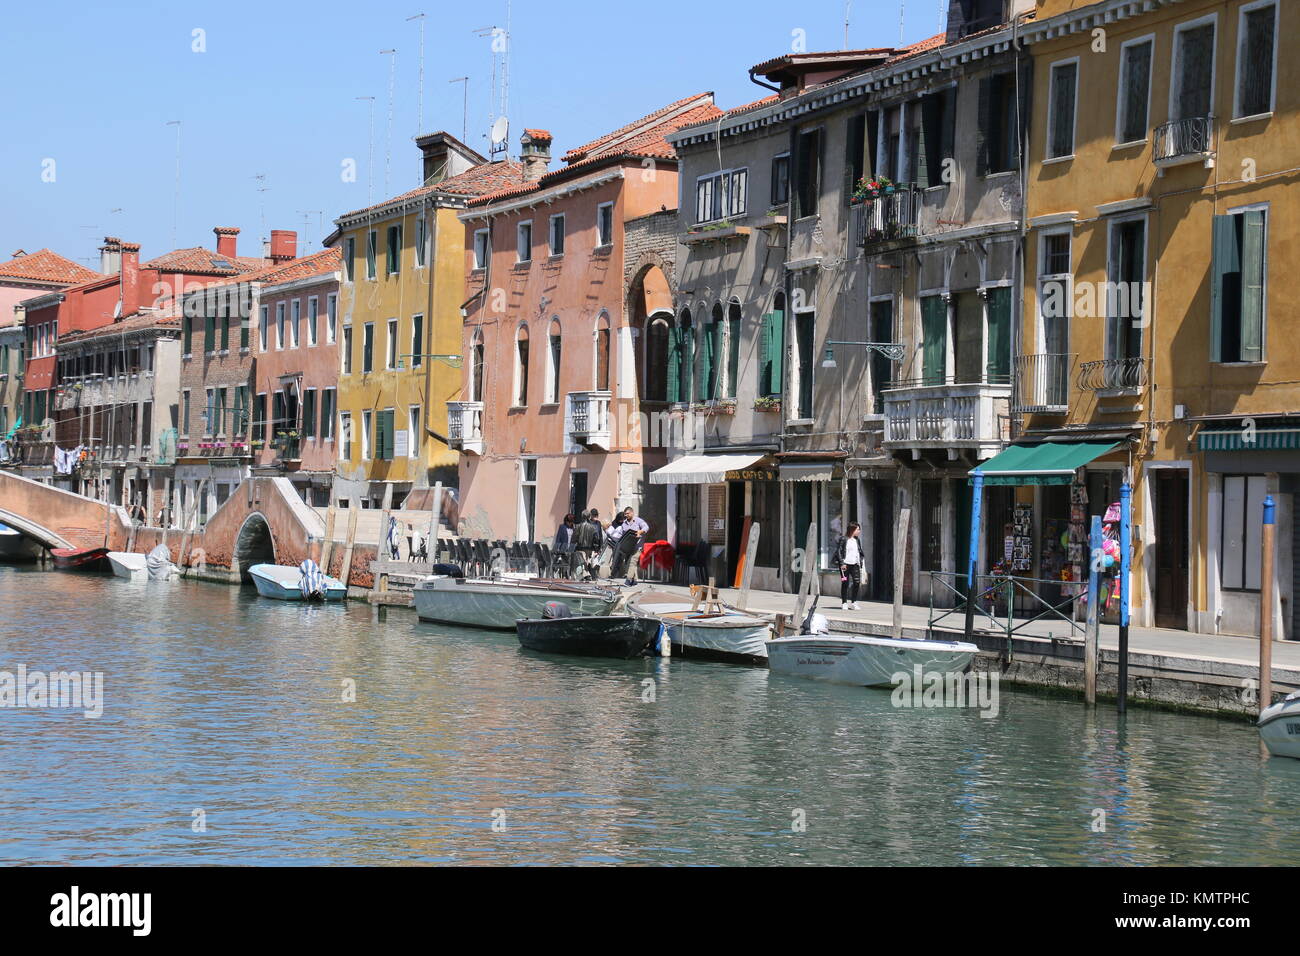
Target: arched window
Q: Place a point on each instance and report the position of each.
(682, 360)
(733, 347)
(602, 352)
(553, 363)
(521, 366)
(710, 354)
(659, 336)
(771, 365)
(476, 367)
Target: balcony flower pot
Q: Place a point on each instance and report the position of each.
(767, 404)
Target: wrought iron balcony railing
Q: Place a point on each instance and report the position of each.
(1113, 375)
(889, 217)
(1042, 382)
(1181, 141)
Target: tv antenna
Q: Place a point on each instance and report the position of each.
(501, 56)
(388, 141)
(370, 162)
(500, 135)
(176, 193)
(848, 4)
(464, 123)
(419, 86)
(262, 187)
(306, 219)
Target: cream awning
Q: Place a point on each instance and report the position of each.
(702, 469)
(808, 471)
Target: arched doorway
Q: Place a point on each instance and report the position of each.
(253, 545)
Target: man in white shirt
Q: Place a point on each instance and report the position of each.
(628, 534)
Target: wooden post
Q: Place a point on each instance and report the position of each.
(809, 581)
(327, 546)
(435, 523)
(753, 530)
(1266, 605)
(379, 579)
(348, 544)
(1091, 633)
(900, 568)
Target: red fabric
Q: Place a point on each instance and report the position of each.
(658, 553)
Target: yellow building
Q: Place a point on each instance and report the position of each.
(400, 296)
(1161, 210)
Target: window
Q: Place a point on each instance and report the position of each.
(327, 403)
(772, 350)
(421, 240)
(1237, 286)
(210, 415)
(347, 350)
(372, 242)
(394, 249)
(417, 341)
(185, 412)
(681, 361)
(804, 328)
(1240, 553)
(935, 144)
(239, 424)
(367, 422)
(209, 333)
(780, 179)
(187, 334)
(602, 353)
(416, 429)
(313, 310)
(524, 242)
(733, 347)
(1134, 91)
(480, 248)
(1125, 298)
(225, 332)
(368, 348)
(1256, 59)
(345, 436)
(390, 354)
(384, 435)
(709, 355)
(932, 525)
(331, 316)
(882, 369)
(258, 430)
(476, 368)
(605, 224)
(349, 259)
(807, 172)
(1061, 107)
(557, 234)
(296, 324)
(1055, 295)
(521, 367)
(309, 413)
(934, 340)
(1191, 91)
(279, 325)
(553, 365)
(721, 195)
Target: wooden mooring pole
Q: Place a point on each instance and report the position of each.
(1266, 605)
(1090, 638)
(900, 568)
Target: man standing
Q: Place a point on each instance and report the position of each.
(631, 532)
(587, 542)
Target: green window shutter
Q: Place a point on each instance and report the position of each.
(708, 361)
(934, 339)
(1226, 263)
(673, 389)
(776, 384)
(1252, 286)
(243, 331)
(999, 332)
(378, 443)
(309, 414)
(984, 126)
(765, 355)
(387, 416)
(688, 363)
(733, 355)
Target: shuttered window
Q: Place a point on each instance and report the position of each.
(1060, 124)
(998, 370)
(1255, 61)
(771, 371)
(733, 348)
(1193, 71)
(309, 413)
(209, 333)
(1237, 287)
(934, 339)
(384, 425)
(1134, 92)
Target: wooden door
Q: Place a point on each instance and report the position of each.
(1171, 548)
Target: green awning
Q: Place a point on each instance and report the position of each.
(1241, 439)
(1046, 463)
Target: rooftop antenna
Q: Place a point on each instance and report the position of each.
(902, 9)
(500, 137)
(262, 187)
(419, 101)
(847, 5)
(501, 54)
(370, 162)
(388, 141)
(176, 193)
(464, 123)
(306, 219)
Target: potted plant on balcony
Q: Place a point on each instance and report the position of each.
(767, 403)
(720, 406)
(871, 187)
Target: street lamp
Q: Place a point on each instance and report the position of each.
(894, 351)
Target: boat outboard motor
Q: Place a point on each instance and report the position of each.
(554, 609)
(818, 624)
(311, 582)
(450, 570)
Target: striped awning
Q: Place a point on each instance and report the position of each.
(1248, 439)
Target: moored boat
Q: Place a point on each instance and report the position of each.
(158, 564)
(81, 559)
(14, 546)
(724, 634)
(1279, 727)
(604, 635)
(129, 565)
(498, 603)
(286, 584)
(865, 660)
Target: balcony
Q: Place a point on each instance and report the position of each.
(891, 217)
(953, 417)
(465, 426)
(1184, 141)
(589, 419)
(1120, 376)
(1042, 383)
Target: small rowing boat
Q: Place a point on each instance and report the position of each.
(81, 559)
(726, 633)
(286, 584)
(499, 602)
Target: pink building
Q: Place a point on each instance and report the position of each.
(563, 272)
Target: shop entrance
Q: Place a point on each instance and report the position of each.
(882, 536)
(1171, 494)
(735, 527)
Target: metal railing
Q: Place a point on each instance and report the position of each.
(1042, 382)
(1183, 140)
(889, 217)
(996, 600)
(1120, 374)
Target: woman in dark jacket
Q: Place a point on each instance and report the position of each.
(848, 558)
(564, 536)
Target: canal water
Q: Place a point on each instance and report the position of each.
(225, 738)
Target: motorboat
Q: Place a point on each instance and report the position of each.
(81, 559)
(293, 584)
(605, 635)
(715, 631)
(1279, 727)
(864, 660)
(129, 565)
(499, 602)
(15, 546)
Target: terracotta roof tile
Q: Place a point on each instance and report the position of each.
(318, 263)
(609, 141)
(202, 261)
(475, 181)
(45, 265)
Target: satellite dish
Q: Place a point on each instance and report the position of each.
(500, 130)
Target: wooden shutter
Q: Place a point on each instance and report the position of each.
(1252, 286)
(873, 141)
(1225, 262)
(309, 413)
(687, 354)
(733, 354)
(998, 370)
(387, 416)
(673, 387)
(705, 366)
(776, 384)
(984, 127)
(934, 339)
(209, 333)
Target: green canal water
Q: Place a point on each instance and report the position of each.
(462, 748)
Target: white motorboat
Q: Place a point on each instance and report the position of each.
(865, 660)
(129, 565)
(723, 634)
(286, 584)
(15, 546)
(1279, 727)
(499, 602)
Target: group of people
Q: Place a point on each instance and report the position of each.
(585, 537)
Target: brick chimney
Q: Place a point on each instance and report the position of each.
(110, 256)
(284, 245)
(130, 279)
(535, 152)
(227, 241)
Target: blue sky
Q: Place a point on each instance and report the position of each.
(91, 86)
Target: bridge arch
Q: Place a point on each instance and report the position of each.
(254, 544)
(30, 529)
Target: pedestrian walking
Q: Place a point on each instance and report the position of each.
(587, 545)
(848, 558)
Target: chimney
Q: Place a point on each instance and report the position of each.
(227, 240)
(284, 245)
(535, 152)
(110, 256)
(130, 279)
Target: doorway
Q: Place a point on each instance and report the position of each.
(735, 527)
(882, 537)
(803, 517)
(577, 492)
(1171, 558)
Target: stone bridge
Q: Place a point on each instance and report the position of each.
(60, 519)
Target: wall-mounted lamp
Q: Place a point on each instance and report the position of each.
(894, 351)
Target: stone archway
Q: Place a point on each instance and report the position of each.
(253, 545)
